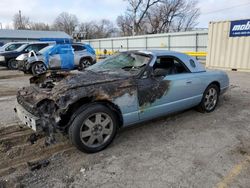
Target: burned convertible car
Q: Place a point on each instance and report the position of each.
(125, 89)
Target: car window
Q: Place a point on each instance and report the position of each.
(43, 50)
(22, 48)
(35, 47)
(192, 63)
(28, 48)
(13, 47)
(4, 46)
(40, 46)
(168, 66)
(130, 62)
(64, 50)
(78, 48)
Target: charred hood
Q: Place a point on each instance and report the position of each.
(87, 78)
(65, 88)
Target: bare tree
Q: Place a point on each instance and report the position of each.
(20, 21)
(66, 22)
(104, 28)
(188, 19)
(88, 28)
(137, 11)
(148, 17)
(101, 29)
(172, 15)
(39, 26)
(125, 25)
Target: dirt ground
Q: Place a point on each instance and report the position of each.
(189, 149)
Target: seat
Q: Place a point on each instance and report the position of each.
(165, 67)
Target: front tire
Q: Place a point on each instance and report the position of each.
(12, 64)
(93, 129)
(210, 99)
(38, 68)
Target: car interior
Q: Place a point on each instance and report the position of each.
(35, 47)
(78, 48)
(12, 47)
(168, 66)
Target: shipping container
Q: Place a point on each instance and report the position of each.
(229, 45)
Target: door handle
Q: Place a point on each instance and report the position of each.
(189, 82)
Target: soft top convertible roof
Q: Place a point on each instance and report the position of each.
(192, 64)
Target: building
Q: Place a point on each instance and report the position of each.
(8, 35)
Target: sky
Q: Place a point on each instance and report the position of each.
(88, 10)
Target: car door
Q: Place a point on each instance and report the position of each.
(62, 57)
(54, 59)
(79, 52)
(167, 92)
(67, 57)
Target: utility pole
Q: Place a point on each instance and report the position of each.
(20, 20)
(134, 21)
(133, 27)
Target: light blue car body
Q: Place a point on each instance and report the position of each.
(134, 98)
(125, 89)
(185, 90)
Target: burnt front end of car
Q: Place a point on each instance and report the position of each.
(48, 103)
(37, 110)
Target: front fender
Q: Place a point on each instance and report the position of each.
(28, 65)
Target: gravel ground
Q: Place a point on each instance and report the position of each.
(189, 149)
(10, 81)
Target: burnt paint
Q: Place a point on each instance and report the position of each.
(151, 89)
(51, 99)
(51, 95)
(97, 86)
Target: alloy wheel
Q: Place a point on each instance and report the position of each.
(12, 64)
(211, 98)
(40, 68)
(85, 63)
(96, 129)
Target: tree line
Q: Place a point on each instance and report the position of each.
(141, 17)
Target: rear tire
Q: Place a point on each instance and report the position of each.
(38, 68)
(12, 64)
(93, 128)
(210, 99)
(84, 63)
